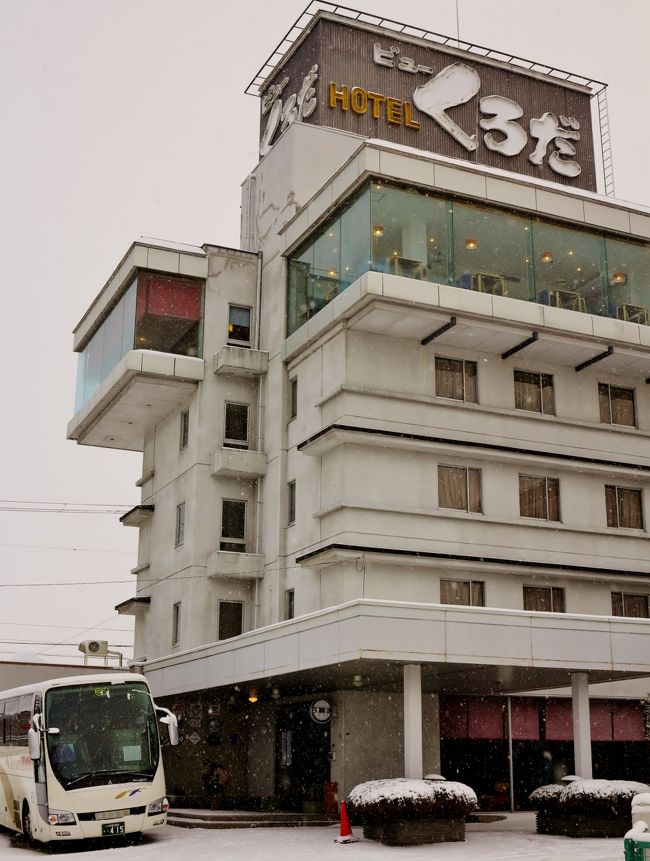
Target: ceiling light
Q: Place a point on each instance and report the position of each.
(547, 257)
(357, 681)
(252, 695)
(471, 243)
(377, 230)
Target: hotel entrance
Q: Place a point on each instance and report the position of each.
(302, 766)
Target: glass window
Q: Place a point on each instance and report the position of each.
(291, 503)
(628, 264)
(456, 379)
(289, 604)
(355, 239)
(180, 524)
(231, 619)
(616, 405)
(626, 604)
(233, 525)
(624, 507)
(491, 251)
(176, 624)
(239, 325)
(459, 487)
(293, 398)
(539, 497)
(471, 593)
(534, 392)
(544, 599)
(168, 314)
(568, 268)
(185, 429)
(409, 233)
(236, 426)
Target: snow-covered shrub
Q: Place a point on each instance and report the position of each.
(407, 798)
(586, 808)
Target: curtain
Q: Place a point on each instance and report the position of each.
(459, 487)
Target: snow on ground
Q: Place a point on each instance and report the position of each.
(511, 839)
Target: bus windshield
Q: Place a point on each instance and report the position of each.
(106, 734)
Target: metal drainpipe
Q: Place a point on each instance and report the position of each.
(260, 434)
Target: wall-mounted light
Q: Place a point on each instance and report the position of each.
(357, 681)
(547, 257)
(378, 230)
(332, 273)
(471, 243)
(275, 692)
(619, 278)
(252, 695)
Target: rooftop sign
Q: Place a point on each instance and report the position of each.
(360, 78)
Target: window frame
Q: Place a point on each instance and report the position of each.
(179, 532)
(241, 605)
(289, 604)
(467, 490)
(291, 502)
(176, 623)
(236, 342)
(541, 388)
(236, 544)
(293, 398)
(628, 595)
(547, 498)
(475, 589)
(184, 436)
(610, 411)
(557, 595)
(616, 508)
(464, 363)
(231, 442)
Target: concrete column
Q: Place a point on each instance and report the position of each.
(413, 720)
(581, 724)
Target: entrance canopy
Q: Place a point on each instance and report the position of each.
(475, 650)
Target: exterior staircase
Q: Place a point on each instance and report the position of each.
(183, 818)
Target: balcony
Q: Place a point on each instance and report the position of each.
(238, 462)
(238, 566)
(141, 390)
(137, 516)
(241, 362)
(133, 607)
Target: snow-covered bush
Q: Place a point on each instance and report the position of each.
(407, 798)
(586, 808)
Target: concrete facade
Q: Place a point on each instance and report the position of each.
(341, 599)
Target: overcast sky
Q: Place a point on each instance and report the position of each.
(124, 118)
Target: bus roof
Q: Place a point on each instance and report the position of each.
(70, 681)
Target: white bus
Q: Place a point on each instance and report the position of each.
(80, 757)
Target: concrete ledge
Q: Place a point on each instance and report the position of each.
(238, 462)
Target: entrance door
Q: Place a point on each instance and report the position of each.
(302, 766)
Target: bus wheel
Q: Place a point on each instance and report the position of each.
(27, 823)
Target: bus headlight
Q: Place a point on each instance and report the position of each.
(61, 817)
(159, 806)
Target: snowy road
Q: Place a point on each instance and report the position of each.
(500, 841)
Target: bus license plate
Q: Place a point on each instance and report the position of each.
(110, 828)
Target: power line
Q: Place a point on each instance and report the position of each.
(68, 627)
(42, 502)
(75, 549)
(50, 643)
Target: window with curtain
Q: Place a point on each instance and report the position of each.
(470, 593)
(456, 379)
(616, 405)
(544, 599)
(624, 507)
(633, 606)
(459, 487)
(539, 497)
(534, 392)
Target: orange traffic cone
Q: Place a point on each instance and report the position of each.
(346, 832)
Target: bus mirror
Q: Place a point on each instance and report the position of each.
(172, 724)
(53, 730)
(33, 743)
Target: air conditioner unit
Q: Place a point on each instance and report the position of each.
(94, 648)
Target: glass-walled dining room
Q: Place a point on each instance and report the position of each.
(413, 233)
(156, 312)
